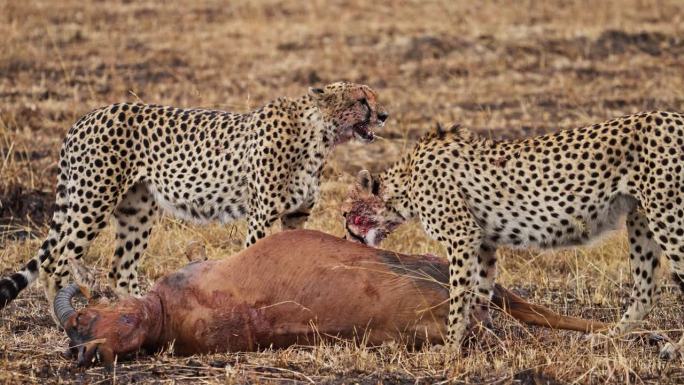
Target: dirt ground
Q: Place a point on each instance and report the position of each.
(505, 69)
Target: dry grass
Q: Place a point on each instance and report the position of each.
(503, 69)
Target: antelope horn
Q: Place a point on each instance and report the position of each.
(62, 305)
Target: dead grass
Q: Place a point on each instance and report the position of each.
(505, 69)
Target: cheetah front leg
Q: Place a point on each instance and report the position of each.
(256, 229)
(257, 224)
(458, 232)
(667, 226)
(462, 253)
(644, 258)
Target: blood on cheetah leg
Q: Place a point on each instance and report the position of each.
(134, 218)
(644, 258)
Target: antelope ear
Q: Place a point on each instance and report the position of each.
(316, 93)
(365, 181)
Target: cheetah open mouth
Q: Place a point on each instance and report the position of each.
(367, 230)
(363, 132)
(354, 236)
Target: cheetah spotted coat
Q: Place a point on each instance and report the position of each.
(127, 160)
(564, 189)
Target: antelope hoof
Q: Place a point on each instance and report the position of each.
(670, 351)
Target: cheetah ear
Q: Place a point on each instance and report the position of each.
(440, 130)
(316, 93)
(365, 181)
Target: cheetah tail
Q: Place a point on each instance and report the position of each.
(11, 286)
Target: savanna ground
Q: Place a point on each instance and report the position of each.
(503, 68)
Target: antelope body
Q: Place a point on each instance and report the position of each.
(294, 287)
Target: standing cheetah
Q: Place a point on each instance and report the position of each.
(564, 189)
(126, 160)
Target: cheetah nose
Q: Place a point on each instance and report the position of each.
(382, 116)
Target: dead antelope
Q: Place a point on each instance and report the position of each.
(294, 287)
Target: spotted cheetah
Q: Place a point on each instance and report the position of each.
(564, 189)
(127, 160)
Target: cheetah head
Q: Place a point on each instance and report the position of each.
(371, 211)
(353, 110)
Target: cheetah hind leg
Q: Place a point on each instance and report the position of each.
(134, 217)
(672, 350)
(73, 245)
(668, 229)
(644, 256)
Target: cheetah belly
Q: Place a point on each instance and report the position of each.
(211, 205)
(543, 230)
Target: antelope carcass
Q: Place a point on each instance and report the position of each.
(295, 287)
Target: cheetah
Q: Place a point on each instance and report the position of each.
(564, 189)
(129, 160)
